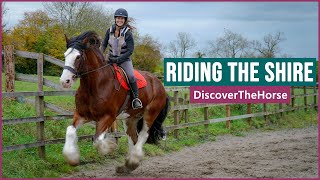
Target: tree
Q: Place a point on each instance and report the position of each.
(68, 13)
(146, 55)
(37, 32)
(230, 45)
(199, 54)
(173, 49)
(181, 46)
(4, 13)
(97, 19)
(31, 27)
(269, 47)
(77, 17)
(5, 32)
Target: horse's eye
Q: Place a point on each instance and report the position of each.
(78, 57)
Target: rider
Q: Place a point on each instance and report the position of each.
(120, 40)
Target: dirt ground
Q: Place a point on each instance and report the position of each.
(285, 153)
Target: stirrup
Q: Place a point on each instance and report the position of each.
(138, 106)
(164, 135)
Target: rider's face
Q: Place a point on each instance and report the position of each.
(120, 21)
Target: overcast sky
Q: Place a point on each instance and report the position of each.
(207, 20)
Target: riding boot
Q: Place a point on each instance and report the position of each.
(136, 102)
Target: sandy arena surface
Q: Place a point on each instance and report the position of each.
(285, 153)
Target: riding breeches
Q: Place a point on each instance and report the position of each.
(128, 68)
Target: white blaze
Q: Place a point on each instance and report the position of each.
(70, 57)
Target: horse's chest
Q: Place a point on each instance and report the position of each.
(89, 108)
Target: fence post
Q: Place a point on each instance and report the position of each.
(249, 111)
(186, 117)
(281, 109)
(292, 99)
(265, 111)
(228, 115)
(205, 113)
(305, 98)
(9, 68)
(176, 114)
(315, 97)
(40, 107)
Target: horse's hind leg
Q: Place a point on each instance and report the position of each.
(70, 149)
(135, 151)
(130, 127)
(136, 142)
(104, 144)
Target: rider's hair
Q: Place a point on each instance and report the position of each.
(129, 23)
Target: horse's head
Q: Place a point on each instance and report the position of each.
(75, 56)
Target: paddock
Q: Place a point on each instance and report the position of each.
(227, 157)
(291, 153)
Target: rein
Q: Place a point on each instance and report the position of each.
(88, 72)
(78, 75)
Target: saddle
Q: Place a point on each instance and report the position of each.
(123, 79)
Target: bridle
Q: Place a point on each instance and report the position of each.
(79, 74)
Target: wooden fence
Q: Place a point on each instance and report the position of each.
(180, 106)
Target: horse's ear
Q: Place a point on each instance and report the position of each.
(66, 38)
(85, 41)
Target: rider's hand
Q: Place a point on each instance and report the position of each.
(113, 59)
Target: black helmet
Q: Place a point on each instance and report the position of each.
(121, 12)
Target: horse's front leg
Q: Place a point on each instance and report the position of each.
(70, 149)
(104, 145)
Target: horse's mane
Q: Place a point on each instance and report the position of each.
(92, 37)
(93, 42)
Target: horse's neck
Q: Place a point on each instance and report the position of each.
(94, 82)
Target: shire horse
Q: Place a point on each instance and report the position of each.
(100, 98)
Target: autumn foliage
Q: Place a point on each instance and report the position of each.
(36, 33)
(39, 32)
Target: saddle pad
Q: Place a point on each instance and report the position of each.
(141, 81)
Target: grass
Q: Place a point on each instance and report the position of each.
(26, 163)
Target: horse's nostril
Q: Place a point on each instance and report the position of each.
(67, 81)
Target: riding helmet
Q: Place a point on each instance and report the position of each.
(121, 12)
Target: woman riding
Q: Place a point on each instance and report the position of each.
(121, 45)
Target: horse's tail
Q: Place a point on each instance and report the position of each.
(156, 131)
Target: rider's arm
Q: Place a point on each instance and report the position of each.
(105, 41)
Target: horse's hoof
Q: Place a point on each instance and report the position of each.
(71, 161)
(106, 146)
(72, 156)
(131, 166)
(112, 145)
(74, 163)
(122, 170)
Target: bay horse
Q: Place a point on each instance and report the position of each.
(99, 99)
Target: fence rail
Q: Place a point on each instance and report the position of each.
(179, 110)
